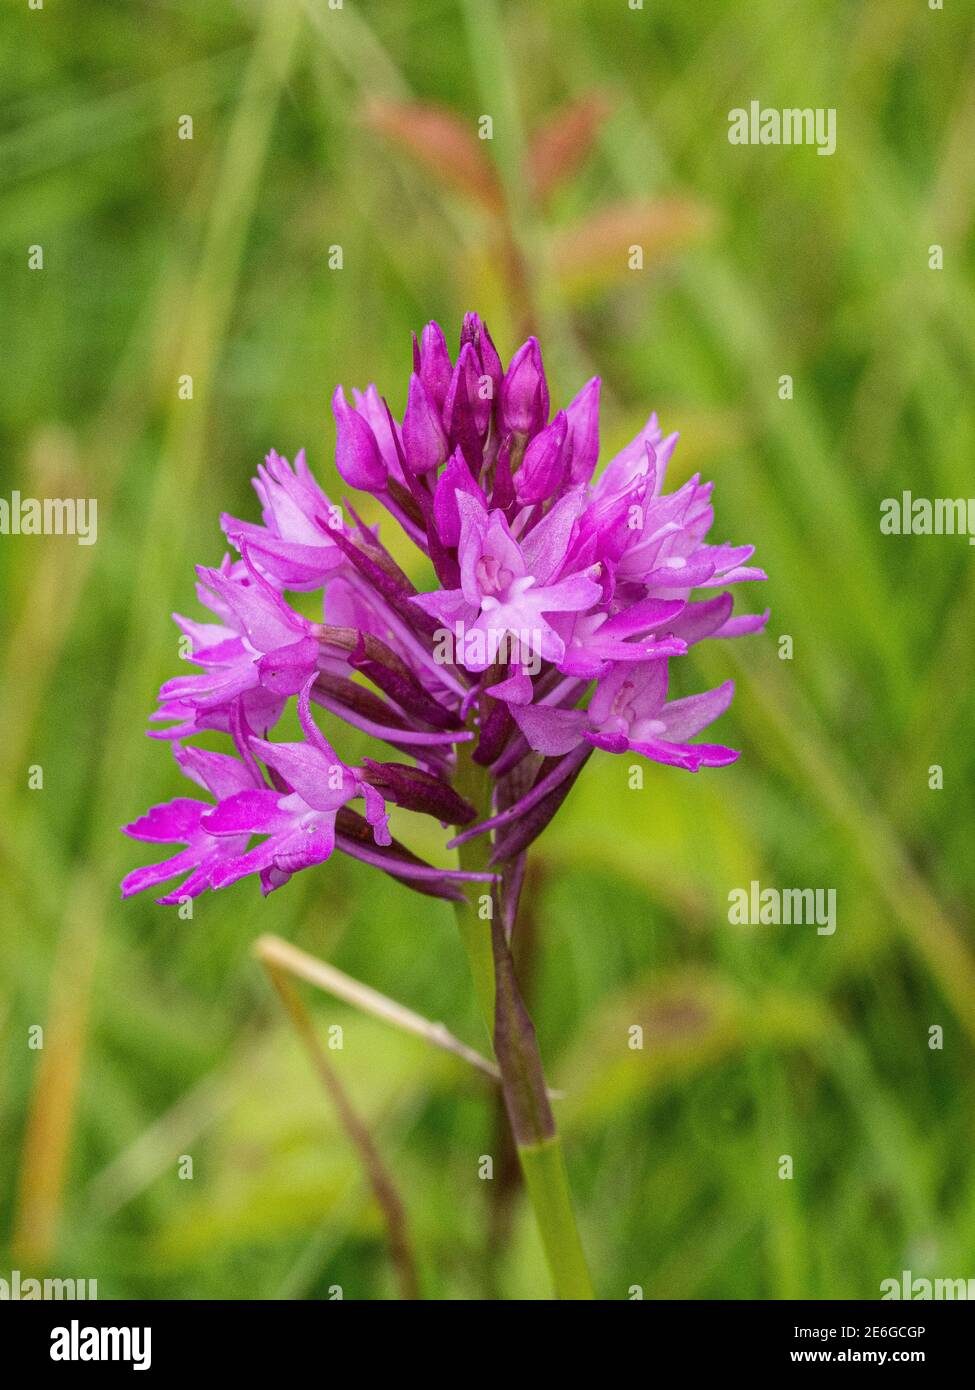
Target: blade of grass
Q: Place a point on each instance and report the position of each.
(383, 1187)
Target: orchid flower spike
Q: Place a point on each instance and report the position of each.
(562, 609)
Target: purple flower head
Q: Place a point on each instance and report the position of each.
(561, 608)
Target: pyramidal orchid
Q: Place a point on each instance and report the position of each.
(557, 607)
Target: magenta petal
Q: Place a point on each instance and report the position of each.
(173, 821)
(152, 874)
(516, 690)
(524, 392)
(582, 444)
(609, 743)
(357, 455)
(220, 773)
(323, 783)
(455, 478)
(570, 595)
(293, 566)
(544, 463)
(376, 814)
(546, 545)
(550, 731)
(262, 614)
(449, 605)
(683, 719)
(690, 756)
(435, 368)
(285, 670)
(744, 624)
(238, 866)
(645, 616)
(252, 812)
(301, 850)
(742, 575)
(424, 440)
(700, 620)
(669, 576)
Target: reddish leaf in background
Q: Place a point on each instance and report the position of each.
(562, 145)
(595, 250)
(443, 143)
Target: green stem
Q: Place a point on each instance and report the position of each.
(473, 782)
(547, 1182)
(516, 1048)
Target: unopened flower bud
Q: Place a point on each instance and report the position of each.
(543, 466)
(424, 440)
(435, 370)
(582, 440)
(470, 398)
(357, 455)
(524, 391)
(476, 333)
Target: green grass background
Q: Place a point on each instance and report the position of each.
(210, 257)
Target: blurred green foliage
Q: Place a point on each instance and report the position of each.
(210, 257)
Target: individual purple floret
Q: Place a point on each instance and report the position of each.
(562, 606)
